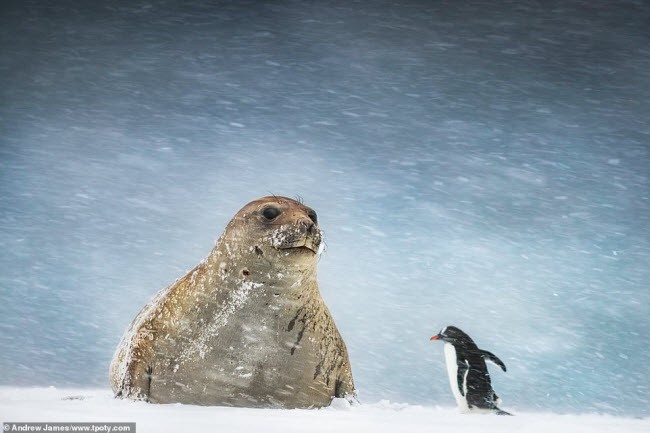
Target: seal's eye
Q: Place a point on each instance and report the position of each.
(312, 216)
(270, 212)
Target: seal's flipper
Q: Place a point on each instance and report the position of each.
(147, 390)
(489, 356)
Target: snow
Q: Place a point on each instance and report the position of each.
(236, 299)
(98, 405)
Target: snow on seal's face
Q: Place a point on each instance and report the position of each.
(285, 225)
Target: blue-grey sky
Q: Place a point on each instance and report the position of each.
(478, 164)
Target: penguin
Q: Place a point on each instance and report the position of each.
(468, 374)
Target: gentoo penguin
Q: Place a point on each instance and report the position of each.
(468, 374)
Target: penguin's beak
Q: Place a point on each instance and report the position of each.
(435, 337)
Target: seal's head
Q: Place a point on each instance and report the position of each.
(276, 226)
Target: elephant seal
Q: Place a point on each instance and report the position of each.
(246, 327)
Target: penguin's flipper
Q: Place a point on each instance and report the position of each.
(489, 356)
(461, 376)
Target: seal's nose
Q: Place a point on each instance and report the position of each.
(307, 225)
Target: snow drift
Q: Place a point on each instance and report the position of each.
(98, 405)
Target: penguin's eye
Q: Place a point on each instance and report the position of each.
(312, 216)
(270, 212)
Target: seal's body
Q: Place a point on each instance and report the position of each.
(468, 374)
(246, 327)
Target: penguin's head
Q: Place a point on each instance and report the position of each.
(450, 334)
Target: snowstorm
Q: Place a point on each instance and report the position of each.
(478, 164)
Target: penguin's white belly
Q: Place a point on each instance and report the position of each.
(452, 372)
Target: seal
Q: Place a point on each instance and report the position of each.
(246, 327)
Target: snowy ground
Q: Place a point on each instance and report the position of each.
(97, 405)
